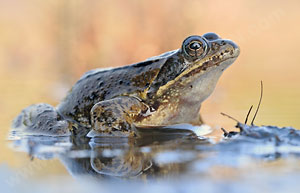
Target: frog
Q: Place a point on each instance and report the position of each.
(167, 89)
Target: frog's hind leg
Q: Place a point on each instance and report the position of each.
(116, 116)
(40, 119)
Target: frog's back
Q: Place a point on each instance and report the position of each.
(104, 84)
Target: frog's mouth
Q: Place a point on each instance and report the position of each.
(209, 64)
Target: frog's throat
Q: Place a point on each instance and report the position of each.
(199, 68)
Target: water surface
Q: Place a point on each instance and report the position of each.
(174, 160)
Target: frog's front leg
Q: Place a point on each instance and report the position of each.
(116, 114)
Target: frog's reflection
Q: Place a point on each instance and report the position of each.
(128, 157)
(121, 157)
(115, 159)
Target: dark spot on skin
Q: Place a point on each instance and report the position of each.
(120, 82)
(215, 58)
(205, 63)
(89, 75)
(139, 118)
(93, 95)
(231, 52)
(141, 64)
(155, 105)
(100, 84)
(191, 86)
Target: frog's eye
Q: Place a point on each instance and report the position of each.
(194, 47)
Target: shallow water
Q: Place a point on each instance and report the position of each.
(173, 160)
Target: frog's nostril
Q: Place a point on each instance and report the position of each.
(235, 48)
(211, 36)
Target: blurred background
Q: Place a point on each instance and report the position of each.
(45, 46)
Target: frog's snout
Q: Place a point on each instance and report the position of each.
(229, 45)
(235, 49)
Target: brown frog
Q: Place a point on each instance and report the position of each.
(163, 90)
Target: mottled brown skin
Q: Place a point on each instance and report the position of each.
(163, 90)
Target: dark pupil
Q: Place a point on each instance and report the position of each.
(195, 46)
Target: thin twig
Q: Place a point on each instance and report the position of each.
(230, 117)
(248, 114)
(261, 94)
(224, 131)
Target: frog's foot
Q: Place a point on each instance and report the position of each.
(40, 119)
(115, 116)
(108, 121)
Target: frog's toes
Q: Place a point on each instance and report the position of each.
(108, 127)
(109, 131)
(110, 124)
(40, 119)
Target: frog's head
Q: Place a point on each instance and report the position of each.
(194, 70)
(208, 51)
(190, 74)
(205, 58)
